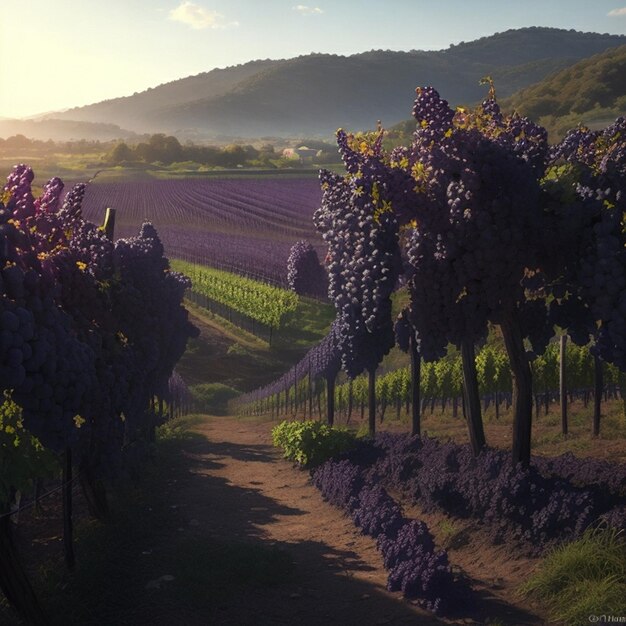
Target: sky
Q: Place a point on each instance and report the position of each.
(56, 54)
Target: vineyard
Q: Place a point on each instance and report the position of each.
(488, 226)
(477, 280)
(300, 391)
(261, 302)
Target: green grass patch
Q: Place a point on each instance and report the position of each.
(583, 578)
(213, 398)
(177, 429)
(307, 326)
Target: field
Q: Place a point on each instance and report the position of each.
(244, 224)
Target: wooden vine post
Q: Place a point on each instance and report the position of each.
(563, 384)
(416, 428)
(66, 496)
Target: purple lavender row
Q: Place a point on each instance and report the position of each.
(243, 226)
(535, 504)
(415, 567)
(290, 203)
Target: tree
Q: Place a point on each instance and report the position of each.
(121, 154)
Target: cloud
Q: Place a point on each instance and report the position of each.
(198, 17)
(617, 12)
(304, 10)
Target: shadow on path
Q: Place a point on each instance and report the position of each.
(225, 533)
(326, 584)
(321, 586)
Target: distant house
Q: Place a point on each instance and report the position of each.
(302, 154)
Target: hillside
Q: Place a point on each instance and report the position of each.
(129, 111)
(316, 93)
(64, 130)
(592, 91)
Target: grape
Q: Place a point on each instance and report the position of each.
(305, 274)
(84, 331)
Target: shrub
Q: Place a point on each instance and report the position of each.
(311, 443)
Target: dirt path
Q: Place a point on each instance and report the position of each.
(240, 488)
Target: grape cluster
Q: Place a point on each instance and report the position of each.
(402, 329)
(48, 368)
(18, 188)
(305, 273)
(87, 338)
(363, 264)
(51, 196)
(147, 304)
(433, 114)
(466, 194)
(71, 212)
(592, 280)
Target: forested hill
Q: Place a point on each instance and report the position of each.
(592, 91)
(316, 93)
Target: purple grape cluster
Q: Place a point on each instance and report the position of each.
(363, 262)
(18, 187)
(305, 273)
(51, 197)
(476, 224)
(433, 114)
(589, 285)
(91, 329)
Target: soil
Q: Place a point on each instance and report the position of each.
(339, 577)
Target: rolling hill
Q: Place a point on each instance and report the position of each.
(316, 93)
(592, 91)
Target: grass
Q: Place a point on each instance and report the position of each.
(213, 398)
(307, 326)
(138, 567)
(234, 357)
(583, 578)
(547, 439)
(447, 529)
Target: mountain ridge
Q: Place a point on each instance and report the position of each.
(314, 94)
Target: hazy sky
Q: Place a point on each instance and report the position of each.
(55, 54)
